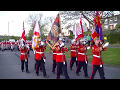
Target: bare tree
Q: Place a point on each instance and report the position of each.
(88, 15)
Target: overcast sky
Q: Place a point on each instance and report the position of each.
(16, 18)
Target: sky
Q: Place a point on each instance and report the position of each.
(16, 18)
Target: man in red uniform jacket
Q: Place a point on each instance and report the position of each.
(97, 63)
(73, 54)
(40, 58)
(54, 61)
(82, 58)
(24, 58)
(61, 60)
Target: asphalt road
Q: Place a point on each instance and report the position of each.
(10, 68)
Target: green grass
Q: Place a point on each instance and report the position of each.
(47, 49)
(110, 56)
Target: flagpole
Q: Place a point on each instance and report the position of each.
(8, 30)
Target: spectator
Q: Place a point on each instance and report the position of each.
(88, 39)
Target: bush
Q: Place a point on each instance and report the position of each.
(114, 37)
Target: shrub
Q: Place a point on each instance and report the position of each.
(114, 37)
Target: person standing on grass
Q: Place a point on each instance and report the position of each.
(88, 39)
(97, 63)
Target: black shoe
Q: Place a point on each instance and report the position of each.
(77, 74)
(22, 70)
(67, 77)
(37, 74)
(27, 71)
(61, 74)
(53, 72)
(87, 77)
(41, 70)
(46, 76)
(57, 77)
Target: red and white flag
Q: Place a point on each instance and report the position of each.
(79, 30)
(23, 39)
(94, 33)
(36, 33)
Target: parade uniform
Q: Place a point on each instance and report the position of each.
(61, 61)
(18, 44)
(24, 58)
(73, 55)
(4, 45)
(40, 57)
(0, 45)
(82, 60)
(54, 60)
(97, 63)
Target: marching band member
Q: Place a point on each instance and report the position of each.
(54, 60)
(40, 58)
(82, 58)
(24, 58)
(61, 59)
(97, 63)
(73, 53)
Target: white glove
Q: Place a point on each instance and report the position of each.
(44, 60)
(106, 44)
(62, 45)
(88, 47)
(64, 63)
(25, 60)
(86, 62)
(76, 58)
(101, 65)
(34, 52)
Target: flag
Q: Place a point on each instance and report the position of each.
(23, 39)
(79, 30)
(85, 29)
(36, 34)
(94, 34)
(98, 26)
(55, 30)
(74, 29)
(97, 31)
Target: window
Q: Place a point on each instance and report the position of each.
(106, 27)
(111, 21)
(115, 18)
(106, 21)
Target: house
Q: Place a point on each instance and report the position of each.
(109, 22)
(65, 32)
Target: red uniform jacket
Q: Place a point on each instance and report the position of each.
(96, 55)
(81, 53)
(54, 55)
(60, 54)
(23, 54)
(73, 50)
(39, 52)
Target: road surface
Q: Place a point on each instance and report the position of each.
(10, 68)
